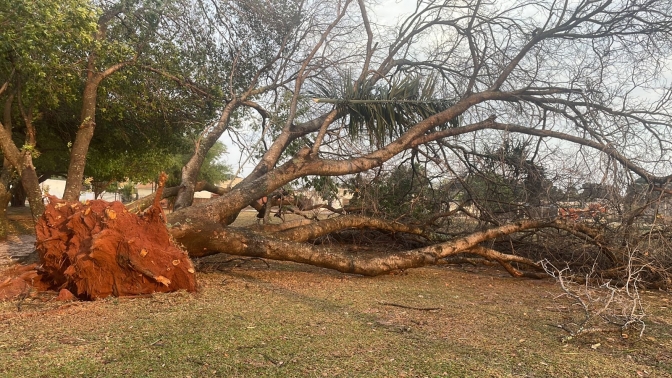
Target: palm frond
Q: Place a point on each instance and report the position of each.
(384, 112)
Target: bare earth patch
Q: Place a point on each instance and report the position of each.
(286, 319)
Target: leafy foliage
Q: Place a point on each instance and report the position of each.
(406, 192)
(42, 42)
(325, 187)
(213, 170)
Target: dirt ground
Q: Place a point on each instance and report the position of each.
(262, 318)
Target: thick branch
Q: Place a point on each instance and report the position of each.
(145, 202)
(505, 260)
(209, 238)
(325, 227)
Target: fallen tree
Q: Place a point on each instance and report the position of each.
(496, 113)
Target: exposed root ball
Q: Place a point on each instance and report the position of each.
(98, 249)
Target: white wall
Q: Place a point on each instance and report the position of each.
(57, 188)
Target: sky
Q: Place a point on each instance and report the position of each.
(386, 12)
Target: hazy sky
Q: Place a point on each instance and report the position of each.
(386, 12)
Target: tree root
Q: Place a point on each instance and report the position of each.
(98, 249)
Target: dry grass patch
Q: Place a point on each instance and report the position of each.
(293, 320)
(263, 318)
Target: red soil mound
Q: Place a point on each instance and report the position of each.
(98, 249)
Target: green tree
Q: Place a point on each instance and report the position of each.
(39, 41)
(214, 170)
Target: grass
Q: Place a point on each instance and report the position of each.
(293, 320)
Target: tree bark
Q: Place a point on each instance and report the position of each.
(202, 239)
(314, 230)
(31, 185)
(5, 174)
(190, 171)
(4, 222)
(80, 147)
(5, 196)
(18, 195)
(22, 161)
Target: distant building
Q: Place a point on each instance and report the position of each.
(56, 187)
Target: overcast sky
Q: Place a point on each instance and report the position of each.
(386, 12)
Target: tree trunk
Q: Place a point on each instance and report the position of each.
(185, 195)
(5, 197)
(202, 239)
(18, 195)
(99, 187)
(80, 147)
(31, 186)
(28, 188)
(190, 170)
(6, 173)
(22, 161)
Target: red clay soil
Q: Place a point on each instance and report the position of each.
(98, 249)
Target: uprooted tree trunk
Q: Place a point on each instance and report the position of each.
(98, 249)
(202, 239)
